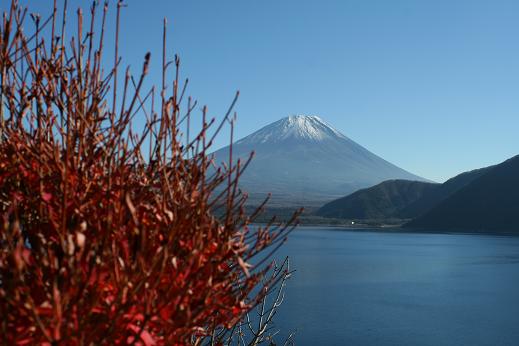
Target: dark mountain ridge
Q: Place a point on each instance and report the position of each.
(488, 203)
(485, 199)
(382, 201)
(397, 199)
(440, 193)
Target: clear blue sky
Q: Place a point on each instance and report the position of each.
(432, 86)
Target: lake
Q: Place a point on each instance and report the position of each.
(375, 288)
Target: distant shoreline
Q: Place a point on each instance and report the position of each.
(397, 229)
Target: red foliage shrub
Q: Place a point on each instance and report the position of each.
(109, 237)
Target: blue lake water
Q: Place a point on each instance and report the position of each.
(373, 288)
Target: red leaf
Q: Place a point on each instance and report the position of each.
(46, 196)
(236, 311)
(144, 336)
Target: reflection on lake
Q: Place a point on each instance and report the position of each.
(372, 288)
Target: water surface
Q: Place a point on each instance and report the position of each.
(373, 288)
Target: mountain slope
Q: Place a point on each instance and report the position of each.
(397, 199)
(302, 160)
(490, 202)
(442, 192)
(382, 201)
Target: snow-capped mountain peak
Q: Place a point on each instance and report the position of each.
(294, 127)
(303, 160)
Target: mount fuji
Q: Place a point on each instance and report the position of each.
(303, 160)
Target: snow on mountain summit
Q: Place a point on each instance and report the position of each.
(294, 127)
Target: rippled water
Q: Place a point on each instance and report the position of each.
(369, 288)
